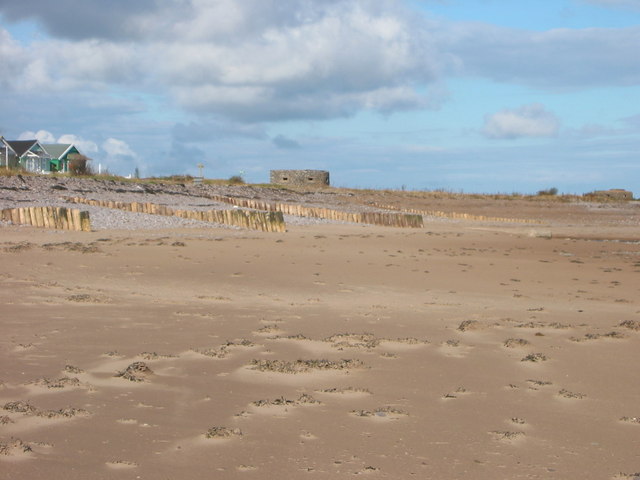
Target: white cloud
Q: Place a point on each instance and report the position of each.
(86, 147)
(42, 136)
(236, 58)
(265, 60)
(117, 148)
(527, 121)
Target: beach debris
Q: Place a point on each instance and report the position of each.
(302, 366)
(136, 372)
(223, 432)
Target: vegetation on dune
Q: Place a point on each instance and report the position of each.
(552, 194)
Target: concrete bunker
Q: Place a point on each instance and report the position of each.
(299, 178)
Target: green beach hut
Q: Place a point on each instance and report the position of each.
(61, 155)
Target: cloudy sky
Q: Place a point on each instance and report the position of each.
(462, 95)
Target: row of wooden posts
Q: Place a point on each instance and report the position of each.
(60, 218)
(252, 220)
(268, 219)
(461, 216)
(387, 219)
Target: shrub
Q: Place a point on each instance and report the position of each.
(236, 180)
(549, 191)
(79, 165)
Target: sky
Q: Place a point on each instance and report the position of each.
(486, 96)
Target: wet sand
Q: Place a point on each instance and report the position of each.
(453, 351)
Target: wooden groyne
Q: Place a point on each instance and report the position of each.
(251, 220)
(60, 218)
(388, 219)
(461, 216)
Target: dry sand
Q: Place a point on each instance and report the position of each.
(460, 350)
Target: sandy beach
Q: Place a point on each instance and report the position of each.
(462, 349)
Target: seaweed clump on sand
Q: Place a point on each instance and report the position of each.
(303, 366)
(223, 432)
(136, 372)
